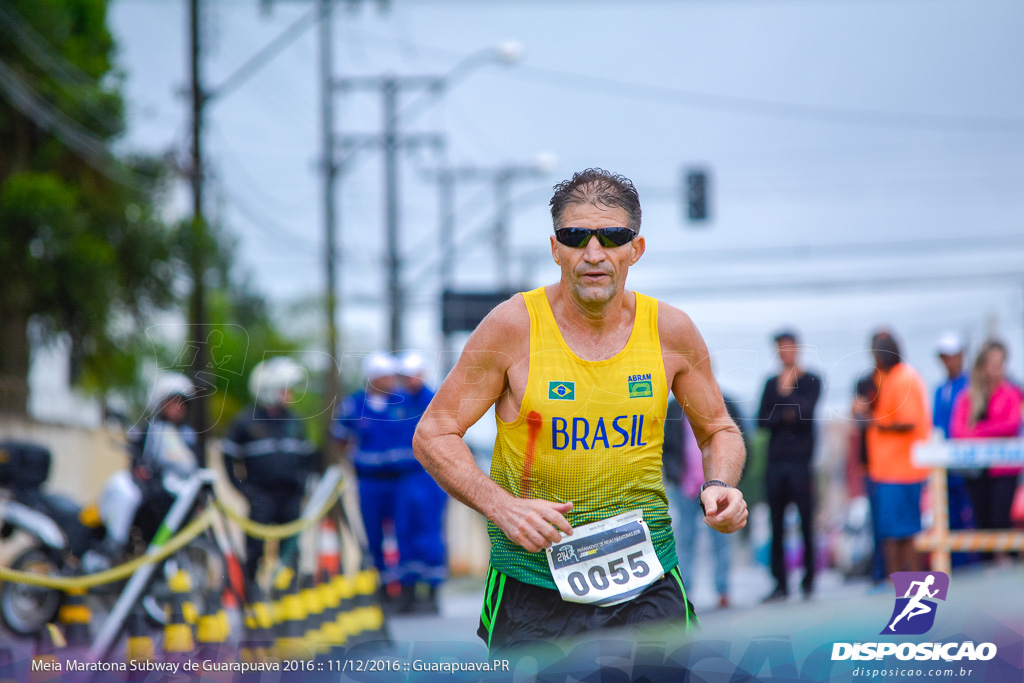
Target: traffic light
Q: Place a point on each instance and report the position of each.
(696, 195)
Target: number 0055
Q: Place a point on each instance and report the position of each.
(601, 579)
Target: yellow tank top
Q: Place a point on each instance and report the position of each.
(588, 432)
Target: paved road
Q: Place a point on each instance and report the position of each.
(782, 641)
(779, 641)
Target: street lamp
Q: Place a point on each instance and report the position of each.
(506, 53)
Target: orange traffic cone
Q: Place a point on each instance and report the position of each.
(329, 558)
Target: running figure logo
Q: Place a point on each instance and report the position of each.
(914, 613)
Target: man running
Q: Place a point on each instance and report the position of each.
(915, 606)
(579, 374)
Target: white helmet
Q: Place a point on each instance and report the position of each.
(166, 385)
(379, 365)
(272, 376)
(413, 364)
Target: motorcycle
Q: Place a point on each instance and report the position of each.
(66, 539)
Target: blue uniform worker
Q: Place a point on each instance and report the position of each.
(371, 422)
(422, 502)
(950, 349)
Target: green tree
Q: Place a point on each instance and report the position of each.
(82, 248)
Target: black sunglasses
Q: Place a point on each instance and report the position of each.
(608, 237)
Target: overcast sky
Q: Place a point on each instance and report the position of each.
(873, 143)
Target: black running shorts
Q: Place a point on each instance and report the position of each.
(516, 612)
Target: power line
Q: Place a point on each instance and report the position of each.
(272, 229)
(254, 185)
(741, 104)
(92, 149)
(774, 252)
(772, 287)
(752, 106)
(64, 72)
(266, 54)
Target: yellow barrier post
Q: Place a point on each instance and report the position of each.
(941, 454)
(368, 601)
(314, 607)
(937, 484)
(347, 620)
(140, 648)
(212, 629)
(290, 615)
(178, 639)
(74, 617)
(258, 623)
(332, 635)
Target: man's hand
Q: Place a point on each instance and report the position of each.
(787, 380)
(726, 511)
(533, 523)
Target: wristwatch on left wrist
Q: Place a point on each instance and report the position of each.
(708, 483)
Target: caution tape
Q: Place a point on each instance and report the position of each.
(173, 544)
(122, 571)
(279, 531)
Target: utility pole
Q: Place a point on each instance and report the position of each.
(389, 92)
(446, 177)
(391, 140)
(198, 235)
(332, 388)
(446, 201)
(503, 211)
(504, 176)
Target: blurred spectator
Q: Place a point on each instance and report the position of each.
(951, 353)
(864, 394)
(990, 408)
(421, 502)
(787, 412)
(683, 470)
(950, 348)
(268, 456)
(899, 418)
(163, 445)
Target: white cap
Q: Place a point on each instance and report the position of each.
(166, 385)
(949, 344)
(379, 365)
(413, 364)
(272, 376)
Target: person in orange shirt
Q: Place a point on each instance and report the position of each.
(899, 418)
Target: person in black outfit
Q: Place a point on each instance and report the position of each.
(268, 456)
(787, 412)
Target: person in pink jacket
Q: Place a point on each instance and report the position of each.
(990, 407)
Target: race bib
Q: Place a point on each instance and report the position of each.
(606, 562)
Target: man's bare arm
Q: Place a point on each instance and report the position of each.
(475, 384)
(719, 438)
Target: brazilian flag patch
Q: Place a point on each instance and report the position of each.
(641, 389)
(562, 391)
